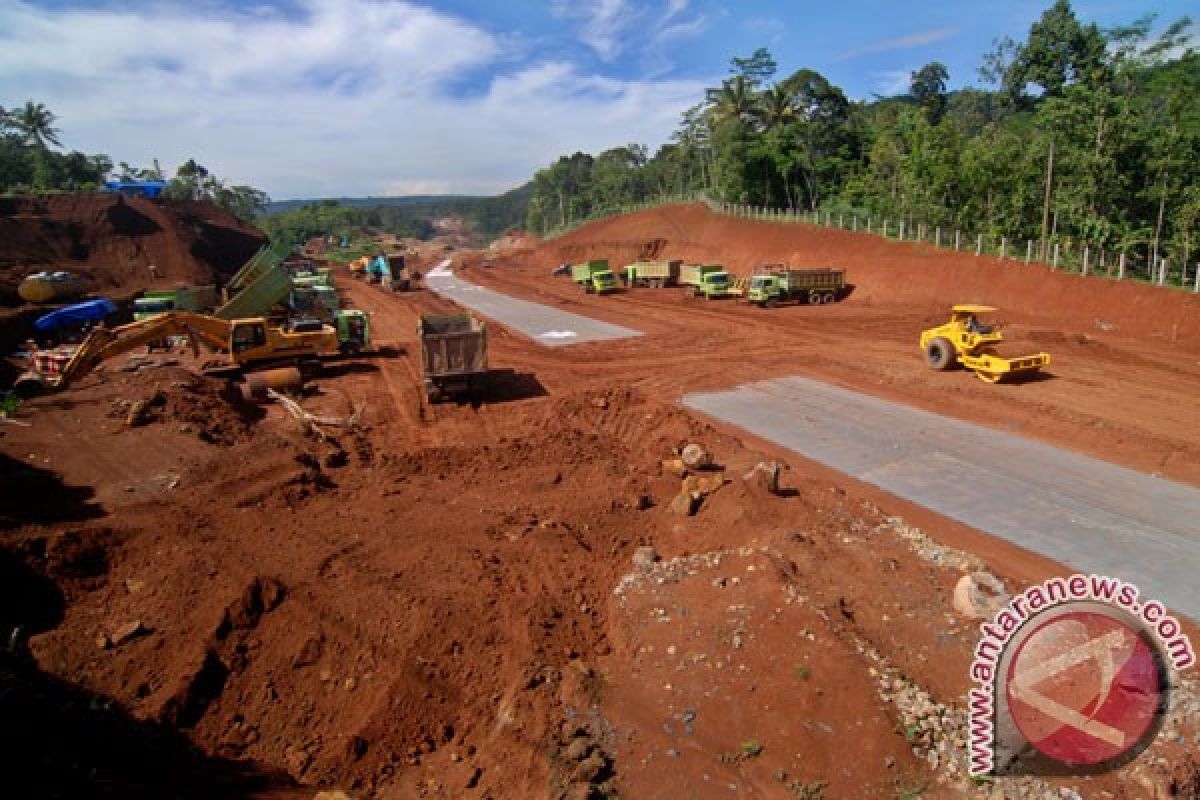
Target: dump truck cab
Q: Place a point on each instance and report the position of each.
(967, 341)
(353, 330)
(763, 289)
(594, 276)
(714, 284)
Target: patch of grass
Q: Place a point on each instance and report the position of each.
(910, 792)
(803, 672)
(9, 403)
(752, 748)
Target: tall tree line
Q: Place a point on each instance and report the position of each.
(30, 162)
(1084, 134)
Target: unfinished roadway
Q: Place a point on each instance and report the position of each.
(548, 326)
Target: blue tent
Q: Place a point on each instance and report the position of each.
(134, 187)
(88, 311)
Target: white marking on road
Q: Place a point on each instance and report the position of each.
(558, 334)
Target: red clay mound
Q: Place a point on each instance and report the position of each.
(111, 241)
(918, 276)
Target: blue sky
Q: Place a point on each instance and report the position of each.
(354, 97)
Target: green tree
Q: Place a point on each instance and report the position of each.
(928, 88)
(35, 123)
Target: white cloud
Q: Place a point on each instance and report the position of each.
(347, 97)
(893, 82)
(899, 43)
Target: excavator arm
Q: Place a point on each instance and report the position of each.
(105, 343)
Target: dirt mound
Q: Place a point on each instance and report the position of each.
(111, 241)
(888, 273)
(212, 409)
(515, 239)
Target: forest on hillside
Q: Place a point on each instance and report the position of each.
(1085, 134)
(31, 162)
(484, 216)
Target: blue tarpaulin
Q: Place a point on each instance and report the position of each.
(147, 188)
(89, 311)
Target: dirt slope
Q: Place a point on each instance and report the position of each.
(111, 240)
(919, 277)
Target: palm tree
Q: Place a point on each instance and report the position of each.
(735, 99)
(776, 108)
(36, 123)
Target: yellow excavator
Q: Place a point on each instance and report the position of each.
(968, 342)
(249, 342)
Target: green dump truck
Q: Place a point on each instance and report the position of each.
(184, 298)
(706, 280)
(774, 284)
(594, 276)
(353, 330)
(655, 274)
(453, 355)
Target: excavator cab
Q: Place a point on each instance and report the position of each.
(248, 335)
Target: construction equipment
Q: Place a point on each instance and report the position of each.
(655, 274)
(706, 280)
(249, 342)
(773, 284)
(353, 330)
(594, 276)
(184, 298)
(453, 355)
(965, 340)
(50, 287)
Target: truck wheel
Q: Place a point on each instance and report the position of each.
(814, 298)
(827, 297)
(940, 354)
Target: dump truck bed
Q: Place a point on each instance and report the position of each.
(453, 345)
(821, 278)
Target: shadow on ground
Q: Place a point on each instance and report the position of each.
(38, 496)
(58, 740)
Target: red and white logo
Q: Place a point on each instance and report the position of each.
(1085, 688)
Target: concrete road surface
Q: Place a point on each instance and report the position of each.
(543, 324)
(1088, 514)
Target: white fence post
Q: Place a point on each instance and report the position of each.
(868, 224)
(937, 236)
(1055, 264)
(979, 245)
(1197, 289)
(1028, 250)
(1085, 259)
(1003, 247)
(957, 239)
(854, 223)
(885, 227)
(1121, 268)
(1162, 272)
(902, 230)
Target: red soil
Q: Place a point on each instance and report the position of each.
(111, 241)
(435, 605)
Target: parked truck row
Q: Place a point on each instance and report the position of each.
(769, 286)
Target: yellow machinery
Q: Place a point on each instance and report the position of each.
(249, 342)
(965, 340)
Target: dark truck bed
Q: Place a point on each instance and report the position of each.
(453, 355)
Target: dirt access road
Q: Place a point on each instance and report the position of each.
(444, 603)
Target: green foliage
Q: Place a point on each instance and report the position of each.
(27, 164)
(9, 403)
(1120, 108)
(752, 748)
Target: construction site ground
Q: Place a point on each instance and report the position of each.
(444, 600)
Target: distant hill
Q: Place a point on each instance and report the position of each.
(413, 215)
(375, 202)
